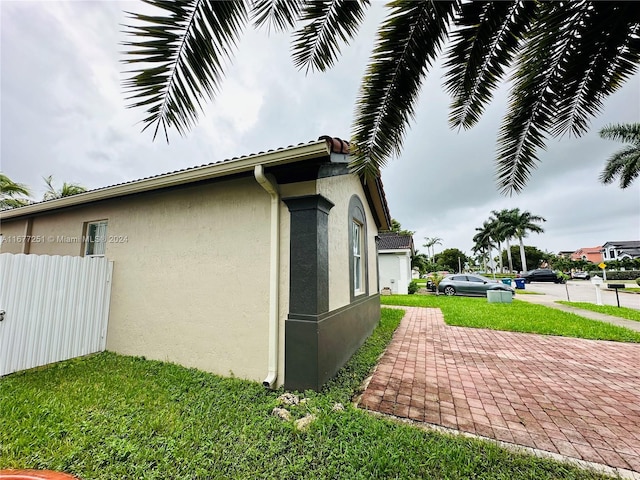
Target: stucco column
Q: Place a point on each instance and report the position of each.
(309, 262)
(308, 290)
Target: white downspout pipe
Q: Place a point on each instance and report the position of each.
(274, 274)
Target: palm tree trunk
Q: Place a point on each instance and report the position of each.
(523, 257)
(492, 264)
(509, 257)
(500, 257)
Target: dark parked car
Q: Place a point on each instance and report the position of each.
(541, 275)
(466, 284)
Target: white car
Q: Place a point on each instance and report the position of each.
(581, 275)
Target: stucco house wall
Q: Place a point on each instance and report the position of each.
(180, 290)
(182, 244)
(395, 271)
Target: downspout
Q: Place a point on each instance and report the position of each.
(274, 274)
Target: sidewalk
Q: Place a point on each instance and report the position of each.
(549, 301)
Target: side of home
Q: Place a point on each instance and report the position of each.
(394, 257)
(263, 267)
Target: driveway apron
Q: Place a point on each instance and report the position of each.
(575, 397)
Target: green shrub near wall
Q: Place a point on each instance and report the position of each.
(413, 287)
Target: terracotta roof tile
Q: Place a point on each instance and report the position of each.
(337, 144)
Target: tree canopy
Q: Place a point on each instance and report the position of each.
(625, 163)
(562, 59)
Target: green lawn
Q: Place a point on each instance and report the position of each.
(622, 312)
(518, 316)
(108, 416)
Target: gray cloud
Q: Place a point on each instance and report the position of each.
(63, 113)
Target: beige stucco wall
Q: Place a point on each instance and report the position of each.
(191, 268)
(339, 190)
(13, 236)
(191, 272)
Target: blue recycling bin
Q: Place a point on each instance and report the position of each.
(506, 281)
(519, 283)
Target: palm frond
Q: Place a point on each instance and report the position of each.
(604, 52)
(408, 42)
(625, 164)
(623, 132)
(538, 82)
(187, 47)
(280, 15)
(488, 35)
(9, 188)
(329, 23)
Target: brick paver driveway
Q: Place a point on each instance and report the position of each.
(579, 398)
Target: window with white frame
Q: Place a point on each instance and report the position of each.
(96, 238)
(357, 239)
(358, 259)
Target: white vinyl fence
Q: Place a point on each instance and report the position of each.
(55, 308)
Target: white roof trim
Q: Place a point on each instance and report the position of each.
(216, 170)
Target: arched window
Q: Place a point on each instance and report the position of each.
(358, 257)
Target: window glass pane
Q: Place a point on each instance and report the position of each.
(96, 238)
(357, 256)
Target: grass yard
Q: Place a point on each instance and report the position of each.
(622, 312)
(108, 416)
(518, 316)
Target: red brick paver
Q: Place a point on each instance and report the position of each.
(579, 398)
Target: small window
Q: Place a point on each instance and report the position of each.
(96, 238)
(358, 248)
(612, 253)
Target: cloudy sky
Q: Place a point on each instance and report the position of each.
(63, 113)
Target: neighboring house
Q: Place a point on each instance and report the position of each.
(394, 261)
(183, 242)
(565, 253)
(620, 250)
(590, 254)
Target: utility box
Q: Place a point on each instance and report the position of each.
(499, 296)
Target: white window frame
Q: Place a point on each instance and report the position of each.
(357, 251)
(98, 246)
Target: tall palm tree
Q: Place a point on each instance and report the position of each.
(494, 228)
(505, 229)
(66, 190)
(624, 163)
(12, 194)
(525, 222)
(430, 243)
(484, 244)
(563, 59)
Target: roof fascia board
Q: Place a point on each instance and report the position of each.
(206, 172)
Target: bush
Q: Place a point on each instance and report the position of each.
(413, 287)
(619, 274)
(638, 281)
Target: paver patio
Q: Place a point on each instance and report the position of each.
(579, 398)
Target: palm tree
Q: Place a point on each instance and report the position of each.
(525, 222)
(504, 227)
(66, 190)
(495, 233)
(430, 244)
(562, 60)
(11, 193)
(624, 163)
(484, 243)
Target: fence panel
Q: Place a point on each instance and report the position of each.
(55, 307)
